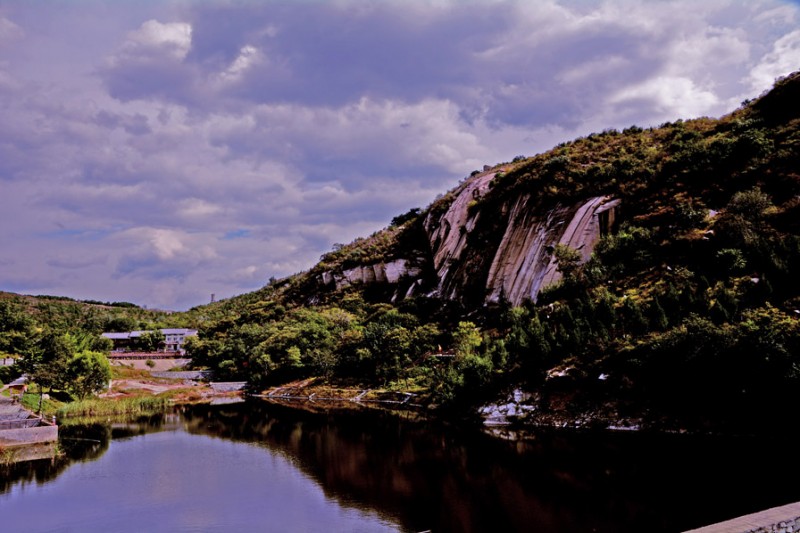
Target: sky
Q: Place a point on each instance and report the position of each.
(159, 152)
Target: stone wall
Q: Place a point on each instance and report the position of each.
(784, 526)
(28, 435)
(783, 519)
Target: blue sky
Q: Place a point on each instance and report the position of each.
(158, 152)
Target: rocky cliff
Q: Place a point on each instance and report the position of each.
(390, 272)
(686, 320)
(518, 266)
(524, 264)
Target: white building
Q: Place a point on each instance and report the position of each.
(174, 339)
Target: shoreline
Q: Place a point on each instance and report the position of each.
(516, 416)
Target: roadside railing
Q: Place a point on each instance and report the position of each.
(21, 423)
(146, 355)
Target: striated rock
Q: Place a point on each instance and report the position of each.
(520, 266)
(390, 272)
(448, 234)
(524, 262)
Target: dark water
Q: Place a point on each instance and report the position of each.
(263, 467)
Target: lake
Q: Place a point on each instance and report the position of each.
(257, 466)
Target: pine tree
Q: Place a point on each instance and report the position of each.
(658, 318)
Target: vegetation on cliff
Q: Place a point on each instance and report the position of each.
(687, 311)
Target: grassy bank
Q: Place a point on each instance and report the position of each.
(50, 405)
(115, 406)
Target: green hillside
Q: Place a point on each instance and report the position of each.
(685, 314)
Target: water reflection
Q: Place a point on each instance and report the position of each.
(76, 443)
(430, 476)
(83, 440)
(426, 475)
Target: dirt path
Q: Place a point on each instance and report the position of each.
(159, 365)
(122, 386)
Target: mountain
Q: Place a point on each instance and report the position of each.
(645, 275)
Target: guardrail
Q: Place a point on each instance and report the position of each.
(146, 355)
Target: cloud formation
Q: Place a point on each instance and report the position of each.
(161, 152)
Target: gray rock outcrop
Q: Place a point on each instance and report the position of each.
(520, 266)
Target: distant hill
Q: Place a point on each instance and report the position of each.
(67, 314)
(33, 299)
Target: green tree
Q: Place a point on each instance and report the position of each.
(294, 358)
(46, 363)
(632, 316)
(658, 318)
(466, 339)
(568, 261)
(16, 329)
(88, 372)
(151, 341)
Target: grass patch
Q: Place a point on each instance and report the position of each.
(128, 372)
(183, 395)
(6, 455)
(30, 400)
(117, 406)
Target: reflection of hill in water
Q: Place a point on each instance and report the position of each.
(429, 476)
(425, 475)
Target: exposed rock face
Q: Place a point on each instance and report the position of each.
(390, 272)
(517, 406)
(524, 262)
(518, 268)
(448, 234)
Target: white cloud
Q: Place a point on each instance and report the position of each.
(197, 157)
(172, 38)
(197, 207)
(668, 96)
(245, 276)
(430, 132)
(73, 262)
(777, 16)
(248, 57)
(782, 60)
(9, 31)
(167, 245)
